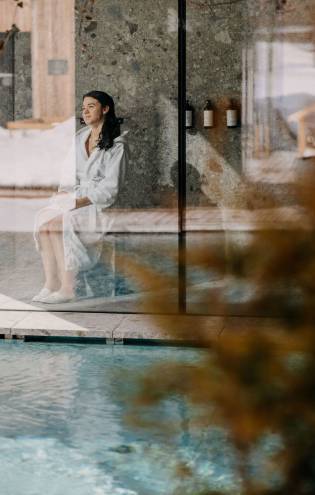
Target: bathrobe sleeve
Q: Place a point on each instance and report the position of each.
(68, 180)
(103, 190)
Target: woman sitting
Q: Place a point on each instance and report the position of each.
(69, 232)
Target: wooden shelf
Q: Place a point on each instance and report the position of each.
(34, 123)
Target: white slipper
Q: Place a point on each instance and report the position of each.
(42, 295)
(57, 298)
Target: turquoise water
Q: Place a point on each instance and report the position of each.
(62, 429)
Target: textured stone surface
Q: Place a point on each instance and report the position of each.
(16, 93)
(130, 51)
(23, 77)
(216, 38)
(56, 324)
(152, 327)
(6, 83)
(119, 327)
(9, 319)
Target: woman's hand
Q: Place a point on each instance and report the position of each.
(80, 202)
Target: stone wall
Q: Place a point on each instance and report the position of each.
(225, 59)
(6, 83)
(16, 79)
(131, 52)
(23, 77)
(215, 39)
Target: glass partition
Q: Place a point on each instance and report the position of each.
(251, 143)
(85, 207)
(216, 36)
(113, 224)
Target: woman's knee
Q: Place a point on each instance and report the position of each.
(55, 225)
(44, 229)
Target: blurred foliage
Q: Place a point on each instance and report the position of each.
(7, 36)
(250, 381)
(14, 28)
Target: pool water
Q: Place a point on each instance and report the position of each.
(62, 429)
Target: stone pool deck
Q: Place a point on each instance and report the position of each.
(116, 328)
(113, 319)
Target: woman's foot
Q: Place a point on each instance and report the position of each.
(58, 298)
(42, 295)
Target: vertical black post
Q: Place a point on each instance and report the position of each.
(181, 154)
(13, 76)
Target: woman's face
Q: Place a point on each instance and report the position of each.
(92, 111)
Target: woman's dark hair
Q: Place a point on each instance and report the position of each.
(111, 126)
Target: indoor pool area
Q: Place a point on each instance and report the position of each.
(63, 427)
(157, 247)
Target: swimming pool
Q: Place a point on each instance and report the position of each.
(62, 428)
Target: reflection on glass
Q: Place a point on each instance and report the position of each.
(280, 96)
(260, 54)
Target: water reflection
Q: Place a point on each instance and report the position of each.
(64, 416)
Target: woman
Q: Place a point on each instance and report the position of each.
(69, 232)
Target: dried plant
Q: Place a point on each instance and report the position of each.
(7, 36)
(250, 382)
(14, 28)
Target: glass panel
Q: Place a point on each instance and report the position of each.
(256, 58)
(216, 33)
(122, 197)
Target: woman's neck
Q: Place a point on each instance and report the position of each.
(96, 129)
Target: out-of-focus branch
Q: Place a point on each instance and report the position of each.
(8, 35)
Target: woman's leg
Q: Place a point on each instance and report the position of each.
(67, 278)
(52, 280)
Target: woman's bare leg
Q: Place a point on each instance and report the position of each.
(52, 281)
(67, 278)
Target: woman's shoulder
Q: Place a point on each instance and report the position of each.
(120, 147)
(122, 137)
(121, 141)
(82, 132)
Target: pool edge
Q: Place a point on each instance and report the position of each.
(115, 329)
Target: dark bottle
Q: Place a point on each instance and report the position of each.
(208, 120)
(189, 115)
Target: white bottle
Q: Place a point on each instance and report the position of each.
(231, 115)
(189, 115)
(208, 117)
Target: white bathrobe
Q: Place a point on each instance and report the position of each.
(98, 177)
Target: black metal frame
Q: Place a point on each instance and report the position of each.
(181, 155)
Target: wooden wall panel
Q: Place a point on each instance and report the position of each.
(53, 47)
(10, 14)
